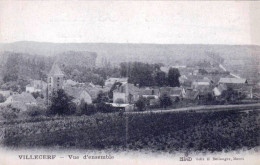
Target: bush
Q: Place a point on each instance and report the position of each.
(104, 108)
(37, 94)
(90, 110)
(34, 111)
(141, 104)
(9, 113)
(85, 109)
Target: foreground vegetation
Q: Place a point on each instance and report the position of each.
(167, 132)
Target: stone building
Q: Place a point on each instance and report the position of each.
(55, 81)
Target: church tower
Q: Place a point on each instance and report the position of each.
(54, 81)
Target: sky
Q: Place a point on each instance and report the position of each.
(162, 22)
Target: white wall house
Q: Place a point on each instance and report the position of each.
(36, 86)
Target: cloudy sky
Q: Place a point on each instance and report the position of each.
(130, 22)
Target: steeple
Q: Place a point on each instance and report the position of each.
(55, 81)
(55, 70)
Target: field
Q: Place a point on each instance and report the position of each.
(166, 132)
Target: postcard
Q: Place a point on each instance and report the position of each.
(129, 82)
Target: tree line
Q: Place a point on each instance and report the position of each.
(18, 69)
(144, 74)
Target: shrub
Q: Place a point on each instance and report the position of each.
(9, 112)
(141, 104)
(85, 109)
(34, 111)
(104, 108)
(165, 101)
(90, 110)
(37, 94)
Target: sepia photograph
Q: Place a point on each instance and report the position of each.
(129, 82)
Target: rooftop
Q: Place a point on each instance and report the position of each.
(233, 80)
(23, 97)
(55, 70)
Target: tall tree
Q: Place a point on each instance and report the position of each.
(85, 109)
(160, 78)
(173, 77)
(138, 73)
(61, 103)
(165, 101)
(11, 68)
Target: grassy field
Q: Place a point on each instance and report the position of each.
(167, 132)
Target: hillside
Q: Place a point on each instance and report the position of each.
(77, 58)
(116, 53)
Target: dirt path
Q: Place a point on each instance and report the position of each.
(207, 108)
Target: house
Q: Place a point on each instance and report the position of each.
(218, 90)
(204, 92)
(178, 92)
(189, 79)
(150, 93)
(173, 92)
(126, 93)
(190, 94)
(112, 80)
(70, 83)
(94, 90)
(201, 82)
(36, 86)
(238, 84)
(78, 94)
(21, 101)
(247, 91)
(183, 79)
(233, 82)
(165, 91)
(203, 86)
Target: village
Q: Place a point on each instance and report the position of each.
(204, 84)
(141, 82)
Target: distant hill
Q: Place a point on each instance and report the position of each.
(77, 58)
(151, 53)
